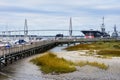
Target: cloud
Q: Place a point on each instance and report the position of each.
(55, 14)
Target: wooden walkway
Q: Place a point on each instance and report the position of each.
(8, 56)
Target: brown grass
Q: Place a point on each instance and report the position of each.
(49, 63)
(95, 46)
(109, 52)
(95, 64)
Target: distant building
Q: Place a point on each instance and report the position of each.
(115, 34)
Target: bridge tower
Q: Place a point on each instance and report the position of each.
(25, 29)
(103, 26)
(70, 28)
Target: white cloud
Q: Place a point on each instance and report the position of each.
(107, 7)
(46, 14)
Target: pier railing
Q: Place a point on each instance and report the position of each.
(8, 55)
(23, 47)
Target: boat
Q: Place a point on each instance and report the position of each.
(96, 33)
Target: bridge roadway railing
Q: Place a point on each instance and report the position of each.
(23, 47)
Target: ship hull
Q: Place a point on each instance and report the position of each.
(94, 34)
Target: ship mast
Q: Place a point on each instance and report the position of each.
(115, 29)
(103, 26)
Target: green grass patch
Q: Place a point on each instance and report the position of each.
(49, 63)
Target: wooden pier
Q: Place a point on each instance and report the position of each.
(10, 55)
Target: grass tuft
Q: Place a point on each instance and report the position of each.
(110, 53)
(99, 65)
(49, 63)
(95, 64)
(104, 57)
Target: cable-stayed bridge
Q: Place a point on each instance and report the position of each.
(37, 30)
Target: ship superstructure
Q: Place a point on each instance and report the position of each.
(115, 33)
(96, 33)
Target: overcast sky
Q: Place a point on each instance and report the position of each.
(55, 14)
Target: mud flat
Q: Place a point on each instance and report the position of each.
(88, 72)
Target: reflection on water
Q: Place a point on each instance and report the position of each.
(23, 69)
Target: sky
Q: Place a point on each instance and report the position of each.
(55, 14)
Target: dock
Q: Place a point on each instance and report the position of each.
(10, 55)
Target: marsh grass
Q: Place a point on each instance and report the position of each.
(106, 49)
(109, 53)
(49, 63)
(104, 57)
(90, 52)
(99, 65)
(95, 46)
(95, 64)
